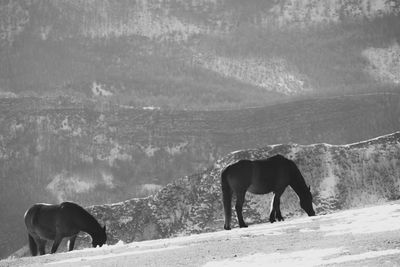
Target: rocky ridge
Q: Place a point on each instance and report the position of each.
(340, 176)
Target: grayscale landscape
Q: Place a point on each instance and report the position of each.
(134, 108)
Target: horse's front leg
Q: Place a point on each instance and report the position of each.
(71, 243)
(276, 209)
(56, 243)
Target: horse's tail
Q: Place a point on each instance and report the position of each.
(32, 245)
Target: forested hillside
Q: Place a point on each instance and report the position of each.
(198, 54)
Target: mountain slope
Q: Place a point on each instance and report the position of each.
(341, 177)
(52, 151)
(198, 55)
(356, 237)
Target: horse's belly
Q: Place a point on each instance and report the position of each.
(258, 189)
(43, 234)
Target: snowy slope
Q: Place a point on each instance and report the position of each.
(360, 237)
(341, 177)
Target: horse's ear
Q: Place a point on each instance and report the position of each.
(309, 188)
(104, 228)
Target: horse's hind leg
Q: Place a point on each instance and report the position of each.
(240, 196)
(272, 214)
(71, 243)
(227, 200)
(32, 245)
(56, 243)
(42, 246)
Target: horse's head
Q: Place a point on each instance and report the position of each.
(306, 203)
(99, 238)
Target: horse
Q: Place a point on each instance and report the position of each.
(273, 174)
(54, 222)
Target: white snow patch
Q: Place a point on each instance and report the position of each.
(149, 150)
(175, 150)
(77, 132)
(44, 32)
(369, 151)
(7, 94)
(310, 257)
(65, 125)
(149, 189)
(293, 151)
(125, 219)
(98, 90)
(142, 19)
(127, 107)
(362, 256)
(151, 108)
(117, 153)
(108, 179)
(272, 74)
(385, 218)
(112, 255)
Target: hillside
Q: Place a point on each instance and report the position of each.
(103, 101)
(341, 177)
(52, 151)
(198, 54)
(357, 237)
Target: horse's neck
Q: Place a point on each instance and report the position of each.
(89, 224)
(299, 186)
(90, 230)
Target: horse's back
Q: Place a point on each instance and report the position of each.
(259, 176)
(70, 206)
(238, 175)
(70, 211)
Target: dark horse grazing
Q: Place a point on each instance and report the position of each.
(273, 174)
(54, 222)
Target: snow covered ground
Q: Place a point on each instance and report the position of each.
(360, 237)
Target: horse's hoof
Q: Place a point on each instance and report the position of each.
(227, 227)
(243, 226)
(281, 219)
(272, 220)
